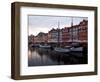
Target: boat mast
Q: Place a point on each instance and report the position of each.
(58, 33)
(72, 27)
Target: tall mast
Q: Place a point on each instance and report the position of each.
(72, 27)
(58, 33)
(72, 22)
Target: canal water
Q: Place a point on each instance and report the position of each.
(45, 57)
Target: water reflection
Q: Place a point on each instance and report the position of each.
(42, 57)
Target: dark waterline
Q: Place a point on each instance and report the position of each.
(45, 57)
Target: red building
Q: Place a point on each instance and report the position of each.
(83, 31)
(75, 33)
(65, 35)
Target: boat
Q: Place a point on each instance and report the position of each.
(45, 46)
(59, 48)
(68, 47)
(62, 50)
(76, 49)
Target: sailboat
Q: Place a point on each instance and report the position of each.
(60, 49)
(78, 48)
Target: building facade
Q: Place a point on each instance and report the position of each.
(74, 33)
(54, 36)
(31, 39)
(65, 35)
(83, 31)
(41, 38)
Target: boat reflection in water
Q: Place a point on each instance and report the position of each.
(44, 57)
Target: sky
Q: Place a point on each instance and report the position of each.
(44, 24)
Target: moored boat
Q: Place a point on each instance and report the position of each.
(76, 49)
(62, 50)
(45, 46)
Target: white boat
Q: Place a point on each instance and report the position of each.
(44, 46)
(68, 47)
(76, 49)
(62, 50)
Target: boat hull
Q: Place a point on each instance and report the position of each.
(61, 50)
(79, 49)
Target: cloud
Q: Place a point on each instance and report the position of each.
(45, 23)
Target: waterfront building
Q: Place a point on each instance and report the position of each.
(54, 36)
(83, 31)
(31, 39)
(67, 35)
(41, 38)
(75, 33)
